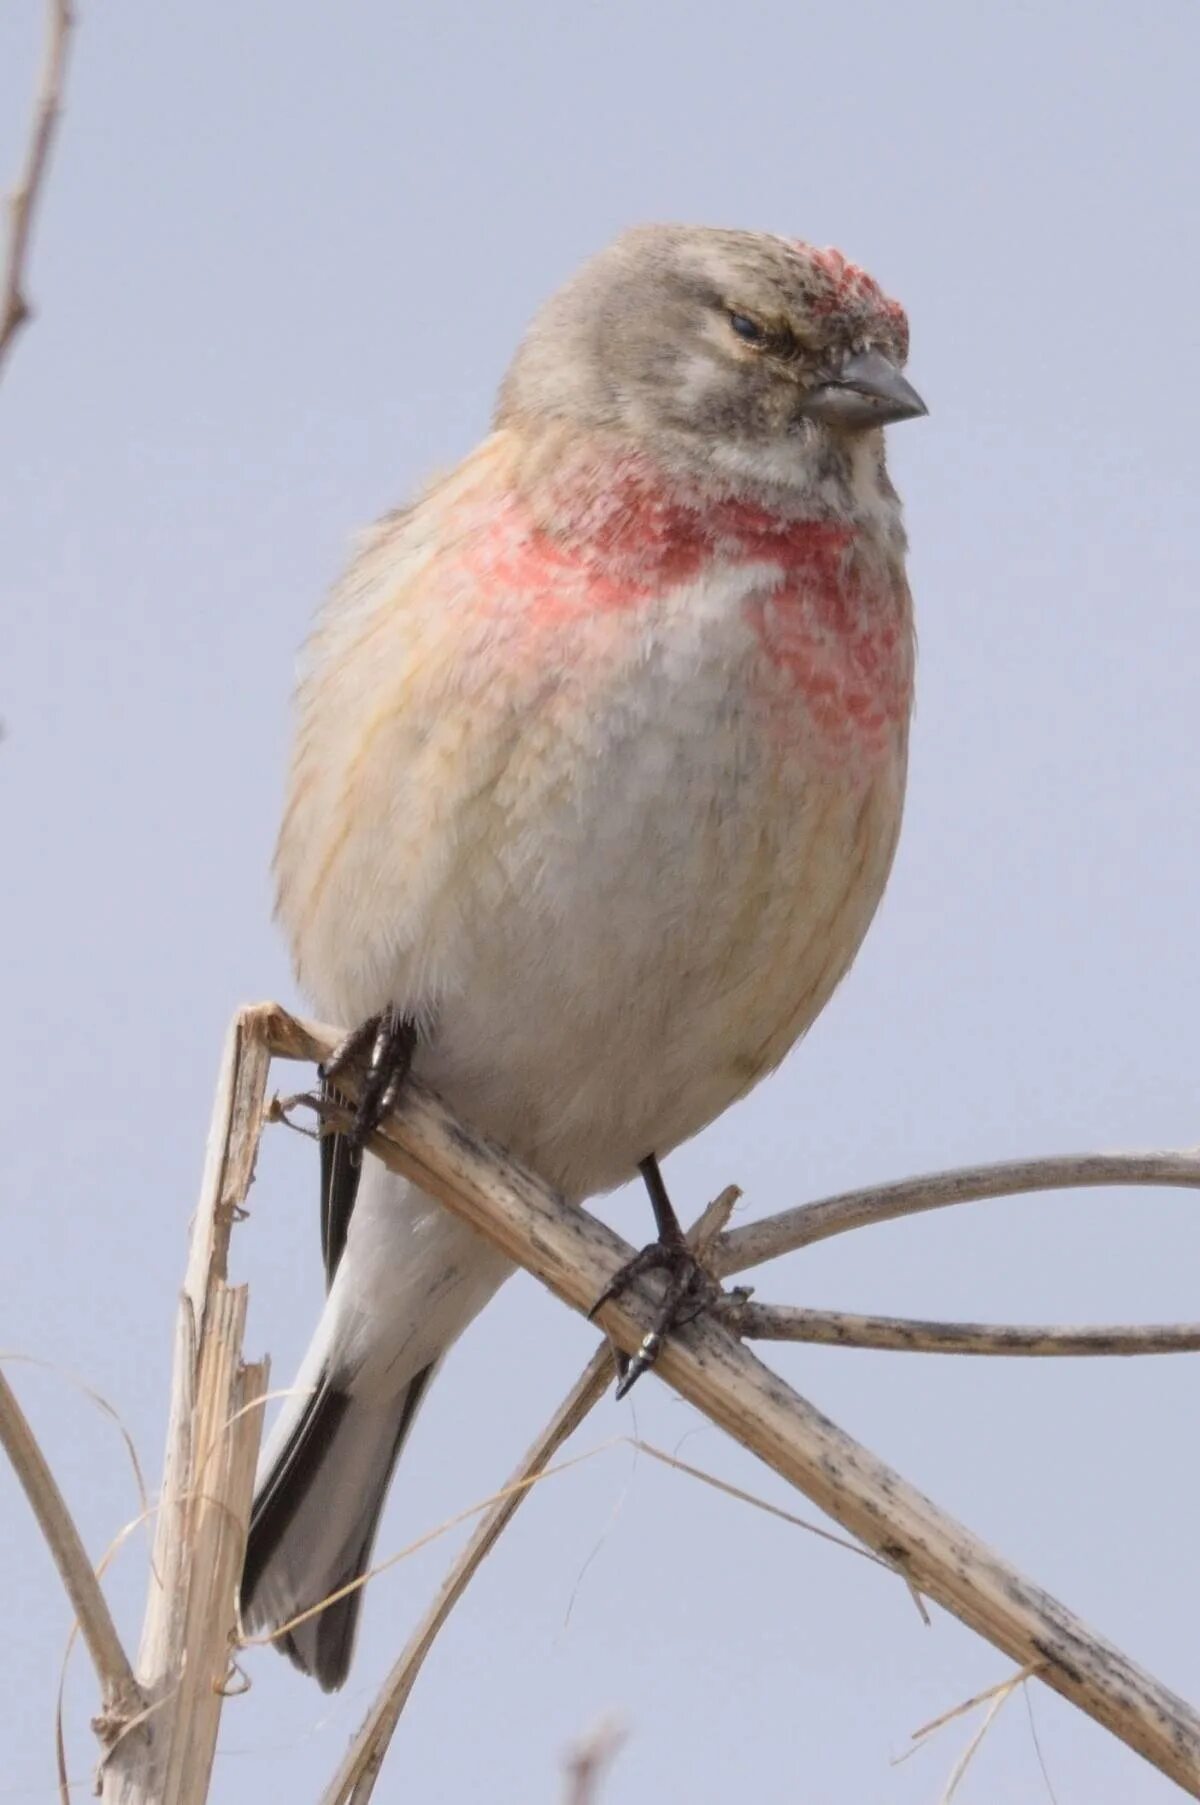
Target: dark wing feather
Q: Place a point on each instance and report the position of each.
(341, 1169)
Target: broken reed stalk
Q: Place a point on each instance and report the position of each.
(575, 1255)
(189, 1634)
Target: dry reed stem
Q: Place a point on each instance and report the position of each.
(575, 1255)
(120, 1694)
(908, 1335)
(767, 1239)
(212, 1444)
(225, 1436)
(22, 201)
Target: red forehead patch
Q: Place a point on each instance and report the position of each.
(850, 289)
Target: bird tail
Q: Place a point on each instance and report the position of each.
(315, 1516)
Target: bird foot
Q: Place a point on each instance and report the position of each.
(690, 1290)
(383, 1045)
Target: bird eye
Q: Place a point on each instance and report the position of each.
(748, 330)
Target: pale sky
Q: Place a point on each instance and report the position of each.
(285, 254)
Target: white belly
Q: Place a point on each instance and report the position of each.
(616, 872)
(664, 927)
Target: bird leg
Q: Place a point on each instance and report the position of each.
(385, 1044)
(690, 1287)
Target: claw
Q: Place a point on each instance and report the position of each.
(689, 1283)
(650, 1259)
(641, 1363)
(391, 1040)
(351, 1048)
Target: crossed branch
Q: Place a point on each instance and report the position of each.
(163, 1746)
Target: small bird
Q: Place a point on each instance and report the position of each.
(597, 780)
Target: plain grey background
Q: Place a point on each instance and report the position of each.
(284, 255)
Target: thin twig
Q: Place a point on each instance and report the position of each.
(758, 1242)
(921, 1735)
(575, 1255)
(1037, 1746)
(1001, 1697)
(908, 1335)
(119, 1690)
(22, 202)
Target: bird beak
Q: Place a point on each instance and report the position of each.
(868, 391)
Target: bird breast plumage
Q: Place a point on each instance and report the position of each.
(614, 842)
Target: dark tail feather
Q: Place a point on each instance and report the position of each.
(314, 1522)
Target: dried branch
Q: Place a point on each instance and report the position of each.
(575, 1255)
(22, 202)
(758, 1242)
(355, 1778)
(215, 1422)
(119, 1691)
(908, 1335)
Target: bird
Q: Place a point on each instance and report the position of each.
(598, 771)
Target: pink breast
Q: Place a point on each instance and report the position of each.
(832, 624)
(836, 637)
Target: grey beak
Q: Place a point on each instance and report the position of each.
(868, 391)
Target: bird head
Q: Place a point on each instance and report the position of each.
(735, 352)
